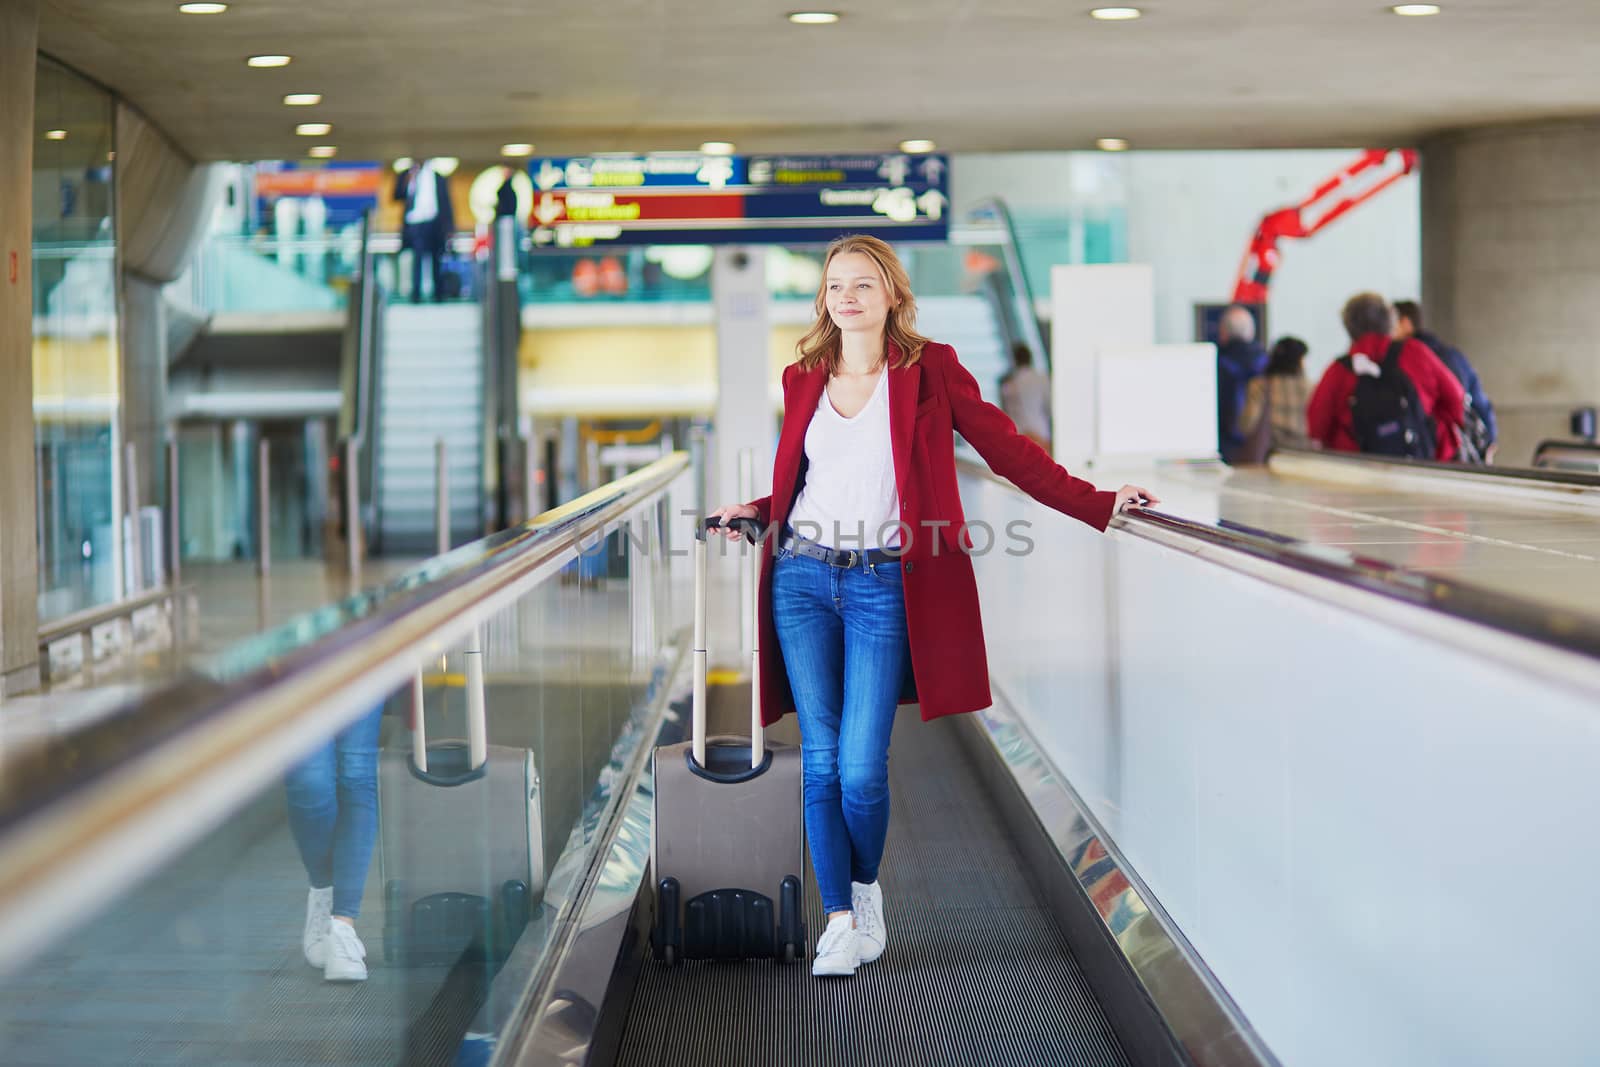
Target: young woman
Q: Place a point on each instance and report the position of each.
(333, 815)
(869, 599)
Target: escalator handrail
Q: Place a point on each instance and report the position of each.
(66, 796)
(1521, 617)
(1485, 475)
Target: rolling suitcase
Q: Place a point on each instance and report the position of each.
(728, 849)
(461, 841)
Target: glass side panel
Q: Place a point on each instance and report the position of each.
(75, 360)
(455, 874)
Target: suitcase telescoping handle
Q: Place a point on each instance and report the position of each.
(477, 723)
(758, 736)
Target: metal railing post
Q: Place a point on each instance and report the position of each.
(263, 506)
(353, 546)
(174, 526)
(530, 481)
(441, 500)
(130, 471)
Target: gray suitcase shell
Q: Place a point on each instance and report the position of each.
(728, 844)
(461, 846)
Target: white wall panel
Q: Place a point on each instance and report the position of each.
(1379, 842)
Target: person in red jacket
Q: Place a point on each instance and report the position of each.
(870, 598)
(1370, 322)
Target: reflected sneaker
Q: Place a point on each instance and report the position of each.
(867, 900)
(838, 949)
(345, 953)
(314, 942)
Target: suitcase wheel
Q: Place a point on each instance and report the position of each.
(667, 937)
(789, 953)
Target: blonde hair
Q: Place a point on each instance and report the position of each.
(820, 346)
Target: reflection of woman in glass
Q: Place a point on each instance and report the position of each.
(333, 814)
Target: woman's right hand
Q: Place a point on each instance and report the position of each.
(733, 511)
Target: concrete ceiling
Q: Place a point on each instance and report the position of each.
(462, 77)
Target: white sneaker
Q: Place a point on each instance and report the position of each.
(319, 909)
(345, 953)
(838, 949)
(867, 900)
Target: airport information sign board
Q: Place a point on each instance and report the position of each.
(597, 201)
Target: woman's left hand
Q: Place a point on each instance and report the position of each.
(1132, 496)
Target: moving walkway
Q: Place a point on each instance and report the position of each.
(1243, 798)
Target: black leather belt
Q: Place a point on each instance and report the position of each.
(836, 557)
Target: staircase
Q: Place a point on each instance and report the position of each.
(430, 386)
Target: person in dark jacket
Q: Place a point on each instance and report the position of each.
(429, 222)
(1239, 360)
(1408, 323)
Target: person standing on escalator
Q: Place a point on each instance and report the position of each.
(867, 594)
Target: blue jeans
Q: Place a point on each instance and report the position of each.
(333, 811)
(843, 636)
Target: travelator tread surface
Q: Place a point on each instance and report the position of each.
(976, 970)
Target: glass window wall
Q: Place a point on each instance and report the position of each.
(75, 372)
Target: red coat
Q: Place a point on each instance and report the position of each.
(1328, 412)
(928, 402)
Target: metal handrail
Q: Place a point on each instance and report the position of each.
(84, 815)
(1519, 616)
(1523, 477)
(1522, 617)
(89, 618)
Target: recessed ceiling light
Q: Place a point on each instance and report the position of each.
(717, 148)
(303, 99)
(1415, 10)
(519, 148)
(1116, 14)
(314, 129)
(55, 135)
(202, 9)
(1111, 144)
(917, 146)
(813, 18)
(268, 61)
(323, 151)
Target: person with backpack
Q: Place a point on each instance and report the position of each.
(1479, 432)
(1386, 397)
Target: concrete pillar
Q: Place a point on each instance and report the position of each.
(744, 415)
(143, 379)
(19, 552)
(1511, 268)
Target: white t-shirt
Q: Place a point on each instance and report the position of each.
(850, 499)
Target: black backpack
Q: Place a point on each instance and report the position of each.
(1386, 414)
(1475, 442)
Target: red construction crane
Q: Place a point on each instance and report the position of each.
(1353, 185)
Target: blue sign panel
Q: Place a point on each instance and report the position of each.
(696, 199)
